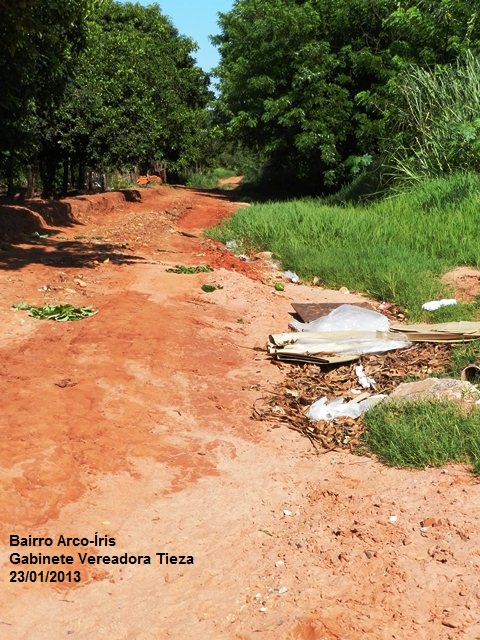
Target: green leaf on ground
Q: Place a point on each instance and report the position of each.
(181, 268)
(58, 312)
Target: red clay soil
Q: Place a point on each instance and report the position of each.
(134, 424)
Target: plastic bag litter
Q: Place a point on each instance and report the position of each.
(433, 305)
(291, 275)
(363, 379)
(231, 245)
(346, 317)
(321, 410)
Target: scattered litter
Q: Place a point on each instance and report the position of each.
(363, 379)
(266, 532)
(279, 286)
(181, 268)
(287, 513)
(231, 245)
(35, 234)
(279, 563)
(59, 312)
(303, 385)
(263, 609)
(433, 305)
(282, 590)
(323, 410)
(384, 306)
(291, 275)
(392, 519)
(344, 290)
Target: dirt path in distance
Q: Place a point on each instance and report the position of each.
(135, 424)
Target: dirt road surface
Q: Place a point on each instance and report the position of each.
(135, 425)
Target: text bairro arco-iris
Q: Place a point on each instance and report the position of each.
(62, 557)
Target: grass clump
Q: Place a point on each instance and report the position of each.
(394, 249)
(209, 179)
(423, 434)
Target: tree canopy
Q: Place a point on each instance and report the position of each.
(105, 86)
(310, 81)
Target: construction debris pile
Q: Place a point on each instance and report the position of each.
(353, 361)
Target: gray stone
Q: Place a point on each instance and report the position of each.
(448, 389)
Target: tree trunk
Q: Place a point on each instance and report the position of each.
(81, 175)
(10, 185)
(72, 173)
(65, 175)
(30, 185)
(48, 170)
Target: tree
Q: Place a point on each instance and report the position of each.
(40, 42)
(311, 80)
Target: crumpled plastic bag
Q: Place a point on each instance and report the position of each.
(291, 275)
(321, 410)
(433, 305)
(365, 381)
(346, 317)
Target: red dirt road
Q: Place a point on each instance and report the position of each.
(135, 424)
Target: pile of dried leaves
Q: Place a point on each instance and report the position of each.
(306, 383)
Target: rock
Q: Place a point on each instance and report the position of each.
(448, 389)
(263, 255)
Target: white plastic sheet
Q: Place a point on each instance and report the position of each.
(346, 317)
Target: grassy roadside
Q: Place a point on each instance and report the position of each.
(394, 249)
(423, 434)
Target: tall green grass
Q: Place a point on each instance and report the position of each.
(394, 249)
(423, 434)
(434, 121)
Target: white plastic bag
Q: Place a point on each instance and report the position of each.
(363, 379)
(433, 305)
(291, 275)
(321, 410)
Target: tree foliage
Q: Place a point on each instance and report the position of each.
(106, 86)
(310, 81)
(40, 43)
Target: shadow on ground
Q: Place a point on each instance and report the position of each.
(64, 254)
